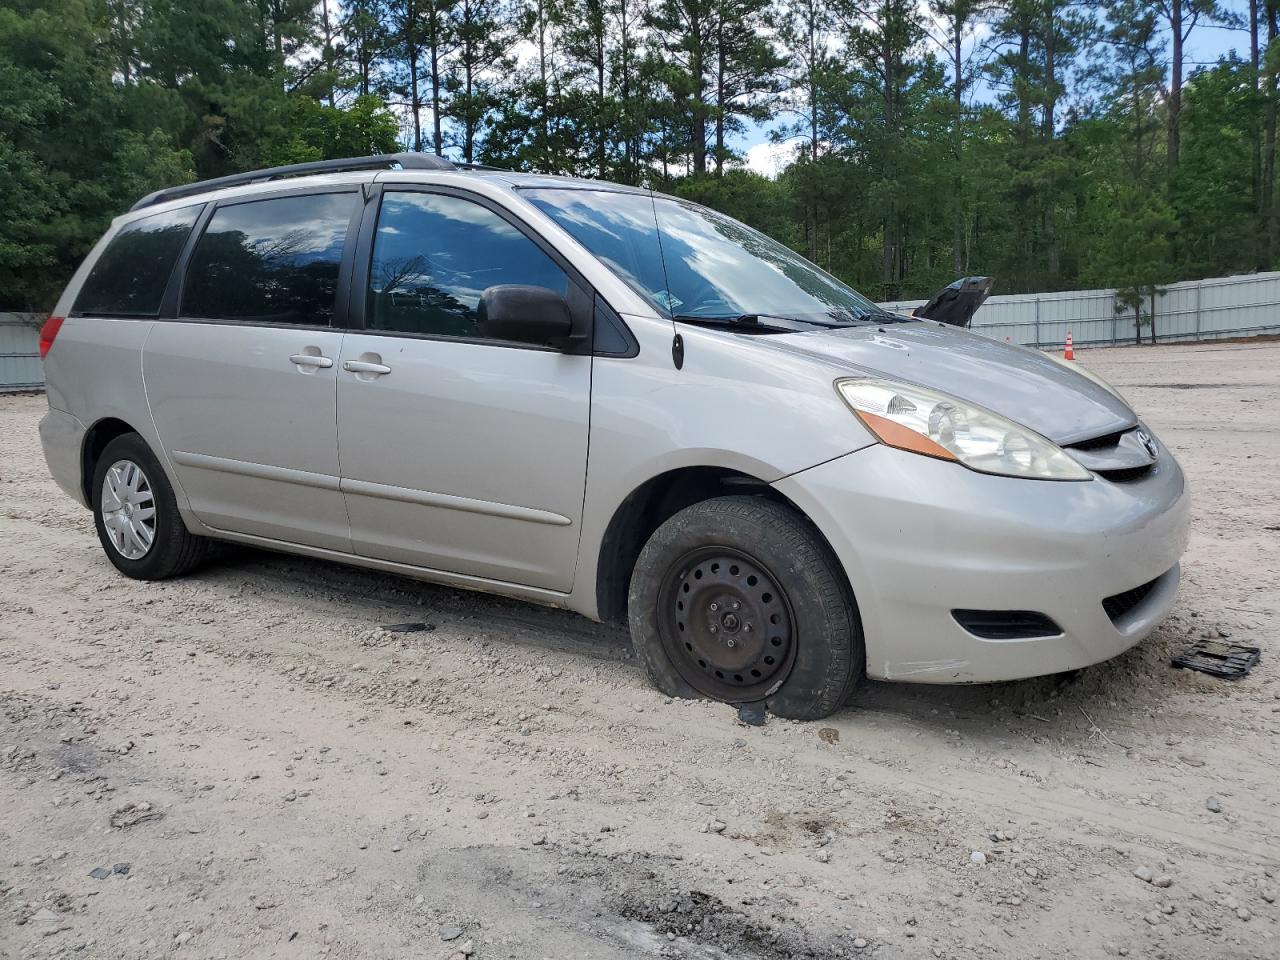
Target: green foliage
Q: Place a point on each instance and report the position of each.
(1211, 192)
(106, 101)
(1050, 154)
(744, 195)
(1132, 228)
(310, 130)
(72, 151)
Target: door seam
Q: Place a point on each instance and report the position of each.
(337, 435)
(174, 479)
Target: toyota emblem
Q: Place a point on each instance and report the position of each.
(1149, 442)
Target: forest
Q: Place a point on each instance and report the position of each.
(1049, 144)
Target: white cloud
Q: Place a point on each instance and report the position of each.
(769, 159)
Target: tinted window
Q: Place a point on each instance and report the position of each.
(130, 276)
(270, 261)
(435, 255)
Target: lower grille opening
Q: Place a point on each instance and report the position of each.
(1120, 604)
(1006, 624)
(1125, 475)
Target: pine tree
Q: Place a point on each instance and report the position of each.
(438, 31)
(684, 33)
(805, 31)
(959, 20)
(405, 30)
(586, 48)
(366, 43)
(485, 34)
(1181, 18)
(747, 70)
(891, 82)
(632, 82)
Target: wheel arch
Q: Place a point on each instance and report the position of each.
(651, 504)
(95, 442)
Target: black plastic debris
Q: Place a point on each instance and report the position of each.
(1230, 661)
(956, 303)
(415, 627)
(752, 714)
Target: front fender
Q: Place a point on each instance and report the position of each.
(735, 404)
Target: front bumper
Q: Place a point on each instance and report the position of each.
(919, 538)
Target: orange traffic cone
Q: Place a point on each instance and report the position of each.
(1069, 353)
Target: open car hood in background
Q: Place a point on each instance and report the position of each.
(956, 303)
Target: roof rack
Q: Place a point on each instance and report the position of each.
(406, 161)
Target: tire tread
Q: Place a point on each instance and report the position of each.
(807, 557)
(176, 550)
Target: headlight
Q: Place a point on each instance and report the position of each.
(933, 424)
(1086, 372)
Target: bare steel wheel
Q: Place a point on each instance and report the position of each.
(128, 509)
(739, 599)
(726, 624)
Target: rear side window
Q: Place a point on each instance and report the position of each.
(270, 261)
(132, 272)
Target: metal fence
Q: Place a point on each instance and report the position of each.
(20, 367)
(1193, 310)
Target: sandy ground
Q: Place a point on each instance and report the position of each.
(283, 778)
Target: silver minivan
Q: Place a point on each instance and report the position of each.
(597, 397)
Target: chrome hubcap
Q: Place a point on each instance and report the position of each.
(128, 509)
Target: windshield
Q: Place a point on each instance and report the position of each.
(694, 263)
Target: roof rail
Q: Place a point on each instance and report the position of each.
(406, 161)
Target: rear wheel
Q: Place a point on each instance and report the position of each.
(136, 514)
(737, 599)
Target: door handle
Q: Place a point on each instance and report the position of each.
(310, 360)
(364, 366)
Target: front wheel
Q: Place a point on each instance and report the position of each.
(738, 599)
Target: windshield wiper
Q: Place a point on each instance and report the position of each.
(761, 322)
(875, 315)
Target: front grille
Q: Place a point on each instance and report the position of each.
(1006, 624)
(1122, 603)
(1125, 474)
(1098, 443)
(1119, 457)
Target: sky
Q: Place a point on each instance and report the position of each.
(1206, 44)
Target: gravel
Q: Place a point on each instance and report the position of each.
(263, 677)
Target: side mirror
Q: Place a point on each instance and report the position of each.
(512, 311)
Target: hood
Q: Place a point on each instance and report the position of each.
(956, 303)
(1016, 382)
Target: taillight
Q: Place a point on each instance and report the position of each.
(47, 333)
